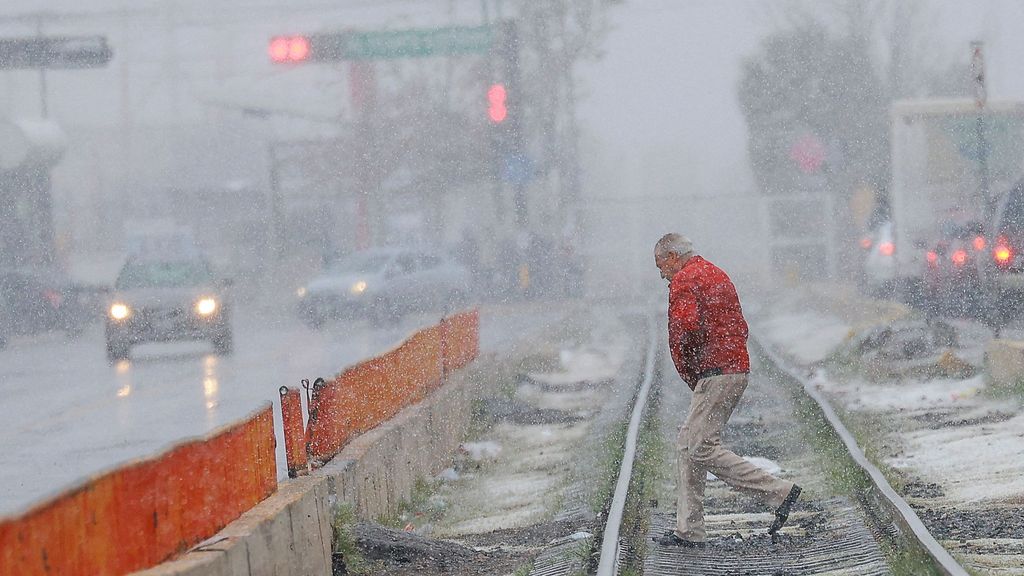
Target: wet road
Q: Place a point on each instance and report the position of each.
(67, 414)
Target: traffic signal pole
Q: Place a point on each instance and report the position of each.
(363, 87)
(31, 181)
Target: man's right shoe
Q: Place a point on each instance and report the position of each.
(670, 538)
(782, 512)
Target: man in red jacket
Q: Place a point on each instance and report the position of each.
(707, 336)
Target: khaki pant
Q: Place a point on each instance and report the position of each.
(701, 451)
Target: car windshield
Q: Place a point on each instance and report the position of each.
(359, 264)
(172, 274)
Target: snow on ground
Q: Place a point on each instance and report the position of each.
(949, 431)
(972, 463)
(516, 475)
(518, 489)
(583, 365)
(478, 451)
(911, 396)
(806, 336)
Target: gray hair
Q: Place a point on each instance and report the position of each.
(673, 243)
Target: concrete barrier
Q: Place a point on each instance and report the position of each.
(290, 533)
(1004, 363)
(378, 470)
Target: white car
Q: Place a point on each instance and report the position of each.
(382, 283)
(880, 262)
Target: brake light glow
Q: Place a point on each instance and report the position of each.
(932, 258)
(1003, 255)
(865, 242)
(53, 297)
(886, 248)
(959, 257)
(979, 243)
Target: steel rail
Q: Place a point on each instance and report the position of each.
(898, 507)
(610, 540)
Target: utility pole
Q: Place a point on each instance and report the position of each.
(44, 107)
(990, 311)
(980, 101)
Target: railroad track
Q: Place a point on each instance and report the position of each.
(850, 522)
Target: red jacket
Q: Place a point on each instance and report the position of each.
(706, 329)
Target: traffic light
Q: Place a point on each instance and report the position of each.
(286, 49)
(497, 110)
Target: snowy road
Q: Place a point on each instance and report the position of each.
(67, 414)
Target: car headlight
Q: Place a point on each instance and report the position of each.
(119, 311)
(301, 292)
(206, 306)
(359, 287)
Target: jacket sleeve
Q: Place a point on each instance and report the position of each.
(684, 357)
(682, 366)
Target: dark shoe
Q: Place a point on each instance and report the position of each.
(672, 539)
(782, 512)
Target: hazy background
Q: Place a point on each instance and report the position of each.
(663, 140)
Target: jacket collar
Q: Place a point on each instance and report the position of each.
(689, 262)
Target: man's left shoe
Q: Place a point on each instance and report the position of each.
(670, 538)
(782, 512)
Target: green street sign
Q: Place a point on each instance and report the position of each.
(391, 44)
(54, 52)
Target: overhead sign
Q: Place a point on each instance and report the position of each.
(54, 52)
(390, 44)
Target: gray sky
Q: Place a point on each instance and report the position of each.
(668, 77)
(670, 74)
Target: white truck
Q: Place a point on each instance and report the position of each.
(936, 187)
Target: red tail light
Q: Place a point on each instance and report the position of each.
(979, 243)
(53, 297)
(959, 257)
(933, 258)
(886, 248)
(1003, 255)
(865, 242)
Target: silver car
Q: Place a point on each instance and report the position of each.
(157, 300)
(382, 283)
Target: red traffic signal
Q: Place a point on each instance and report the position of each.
(497, 111)
(808, 152)
(285, 49)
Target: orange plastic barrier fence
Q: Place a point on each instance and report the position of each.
(462, 340)
(144, 513)
(373, 391)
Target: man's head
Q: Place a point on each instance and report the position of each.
(670, 253)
